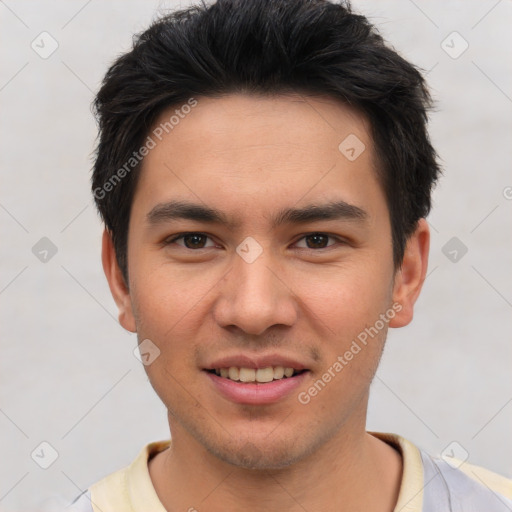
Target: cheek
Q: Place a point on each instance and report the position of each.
(348, 309)
(164, 293)
(157, 309)
(346, 300)
(170, 308)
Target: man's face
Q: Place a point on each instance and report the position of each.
(275, 293)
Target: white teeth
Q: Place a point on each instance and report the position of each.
(265, 374)
(247, 375)
(288, 372)
(262, 375)
(234, 373)
(278, 372)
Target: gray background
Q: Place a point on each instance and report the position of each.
(68, 373)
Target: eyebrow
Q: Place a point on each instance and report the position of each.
(178, 209)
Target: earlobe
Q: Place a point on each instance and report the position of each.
(409, 279)
(116, 282)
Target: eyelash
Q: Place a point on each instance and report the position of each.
(191, 233)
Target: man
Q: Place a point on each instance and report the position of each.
(264, 173)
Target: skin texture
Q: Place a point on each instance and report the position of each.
(250, 157)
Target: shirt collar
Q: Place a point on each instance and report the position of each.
(410, 497)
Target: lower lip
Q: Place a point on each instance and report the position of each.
(256, 394)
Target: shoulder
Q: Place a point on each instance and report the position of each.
(81, 503)
(454, 481)
(441, 484)
(129, 488)
(494, 481)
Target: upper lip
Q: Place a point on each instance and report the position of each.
(256, 362)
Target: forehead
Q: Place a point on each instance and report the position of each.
(238, 121)
(246, 150)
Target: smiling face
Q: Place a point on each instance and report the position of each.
(231, 266)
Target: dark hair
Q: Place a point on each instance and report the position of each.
(265, 47)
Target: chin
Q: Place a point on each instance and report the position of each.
(255, 459)
(260, 455)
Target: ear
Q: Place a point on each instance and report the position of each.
(409, 279)
(116, 282)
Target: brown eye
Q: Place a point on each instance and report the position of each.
(190, 240)
(318, 240)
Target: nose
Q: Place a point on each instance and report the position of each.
(256, 295)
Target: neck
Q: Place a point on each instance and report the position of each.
(351, 471)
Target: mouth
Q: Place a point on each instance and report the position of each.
(256, 386)
(256, 375)
(256, 379)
